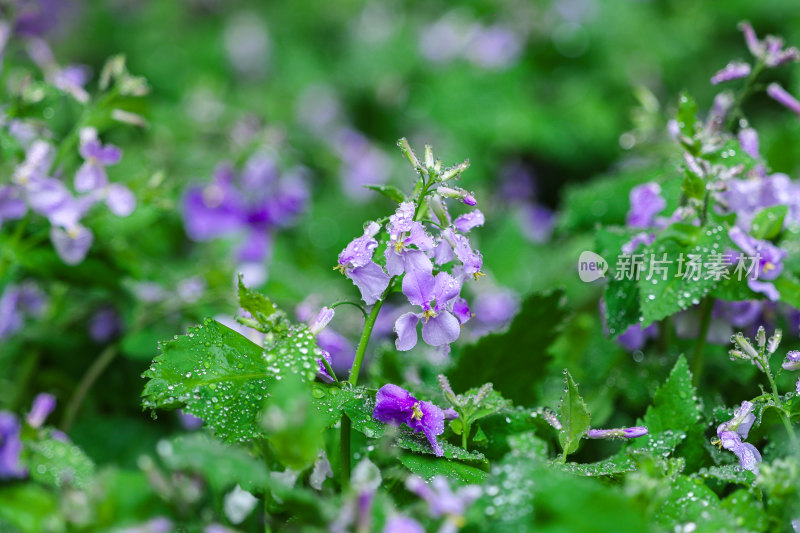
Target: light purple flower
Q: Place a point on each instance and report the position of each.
(493, 47)
(441, 499)
(71, 244)
(732, 71)
(780, 95)
(160, 524)
(619, 433)
(403, 524)
(467, 221)
(644, 237)
(10, 447)
(355, 262)
(748, 139)
(493, 309)
(188, 421)
(732, 432)
(405, 232)
(769, 266)
(792, 361)
(433, 295)
(323, 318)
(104, 325)
(395, 405)
(92, 176)
(538, 222)
(635, 337)
(16, 302)
(12, 204)
(362, 164)
(43, 405)
(770, 49)
(646, 203)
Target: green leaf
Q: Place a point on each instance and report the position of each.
(574, 416)
(611, 467)
(389, 191)
(499, 358)
(693, 186)
(255, 303)
(429, 467)
(789, 289)
(220, 376)
(675, 406)
(768, 223)
(57, 463)
(621, 299)
(222, 466)
(672, 285)
(29, 507)
(690, 500)
(727, 474)
(687, 114)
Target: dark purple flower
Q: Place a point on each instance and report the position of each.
(405, 232)
(732, 71)
(769, 266)
(322, 371)
(433, 295)
(10, 447)
(42, 406)
(104, 325)
(780, 95)
(619, 433)
(395, 405)
(792, 361)
(403, 524)
(355, 262)
(441, 499)
(646, 203)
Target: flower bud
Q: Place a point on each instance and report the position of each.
(624, 433)
(455, 171)
(745, 345)
(774, 341)
(761, 337)
(792, 361)
(321, 320)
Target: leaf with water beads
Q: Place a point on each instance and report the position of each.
(612, 467)
(692, 506)
(58, 463)
(727, 474)
(428, 467)
(573, 415)
(675, 405)
(220, 376)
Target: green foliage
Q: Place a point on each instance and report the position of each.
(687, 115)
(675, 405)
(218, 375)
(57, 463)
(768, 223)
(499, 358)
(429, 467)
(389, 191)
(28, 508)
(573, 415)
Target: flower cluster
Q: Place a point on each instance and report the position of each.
(732, 432)
(10, 435)
(37, 185)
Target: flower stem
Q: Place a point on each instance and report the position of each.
(465, 436)
(706, 307)
(779, 403)
(344, 449)
(91, 375)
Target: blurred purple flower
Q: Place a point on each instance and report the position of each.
(104, 325)
(434, 295)
(748, 140)
(159, 524)
(188, 421)
(732, 71)
(770, 49)
(780, 95)
(16, 302)
(10, 447)
(441, 499)
(646, 203)
(493, 309)
(43, 405)
(36, 18)
(395, 405)
(71, 244)
(644, 237)
(635, 337)
(538, 222)
(493, 47)
(770, 262)
(403, 524)
(362, 164)
(12, 205)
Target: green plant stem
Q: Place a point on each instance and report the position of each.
(92, 373)
(344, 449)
(777, 398)
(747, 89)
(705, 321)
(465, 436)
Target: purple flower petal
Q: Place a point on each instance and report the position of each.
(431, 424)
(403, 524)
(71, 245)
(393, 405)
(42, 406)
(371, 280)
(90, 177)
(646, 203)
(120, 200)
(442, 329)
(322, 372)
(748, 139)
(12, 206)
(732, 71)
(406, 329)
(446, 287)
(792, 361)
(419, 287)
(10, 447)
(461, 310)
(780, 95)
(467, 221)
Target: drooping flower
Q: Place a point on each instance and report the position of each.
(732, 71)
(769, 266)
(405, 233)
(732, 432)
(355, 262)
(42, 406)
(618, 433)
(646, 203)
(395, 405)
(10, 447)
(434, 295)
(441, 499)
(322, 371)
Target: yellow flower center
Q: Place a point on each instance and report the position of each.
(417, 412)
(478, 275)
(398, 246)
(340, 268)
(768, 266)
(428, 314)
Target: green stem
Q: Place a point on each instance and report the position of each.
(93, 372)
(705, 321)
(344, 449)
(777, 397)
(354, 304)
(465, 436)
(736, 112)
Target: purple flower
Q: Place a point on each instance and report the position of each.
(646, 203)
(748, 139)
(322, 371)
(640, 238)
(188, 421)
(441, 500)
(362, 164)
(538, 222)
(467, 221)
(623, 433)
(405, 232)
(16, 302)
(770, 49)
(355, 262)
(780, 95)
(433, 295)
(104, 325)
(92, 176)
(494, 309)
(323, 318)
(403, 524)
(732, 71)
(792, 361)
(71, 244)
(395, 405)
(12, 205)
(769, 266)
(493, 47)
(42, 406)
(10, 447)
(635, 337)
(160, 524)
(732, 432)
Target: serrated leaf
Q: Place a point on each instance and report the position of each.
(573, 415)
(429, 467)
(727, 474)
(222, 466)
(611, 467)
(57, 463)
(621, 299)
(255, 303)
(768, 223)
(690, 500)
(675, 406)
(389, 191)
(667, 284)
(499, 358)
(220, 376)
